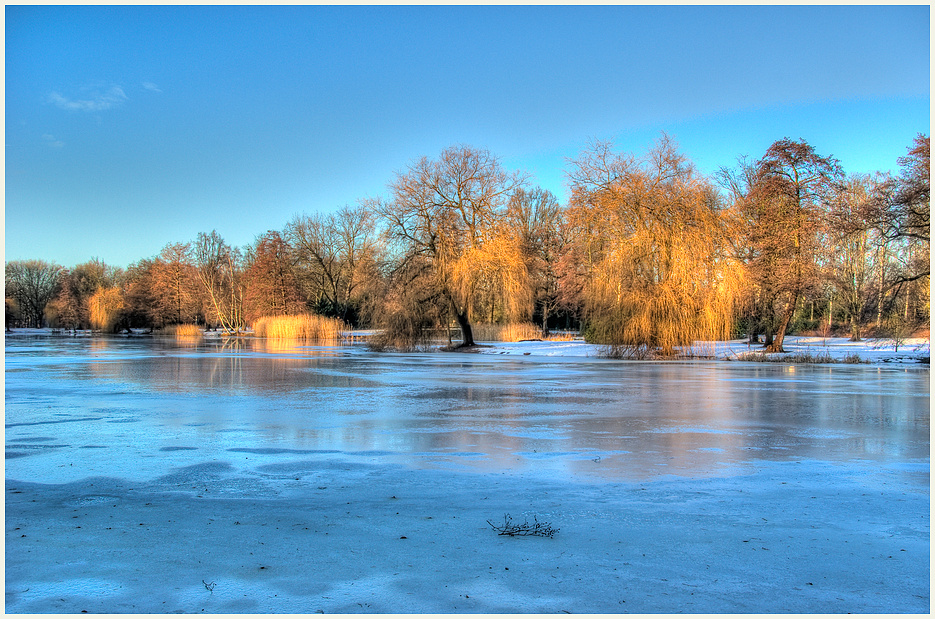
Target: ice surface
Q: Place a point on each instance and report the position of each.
(307, 478)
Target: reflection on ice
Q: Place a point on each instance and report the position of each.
(150, 405)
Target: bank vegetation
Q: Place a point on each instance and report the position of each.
(647, 257)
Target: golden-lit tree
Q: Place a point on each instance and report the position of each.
(140, 308)
(657, 270)
(67, 310)
(175, 287)
(270, 282)
(495, 275)
(70, 307)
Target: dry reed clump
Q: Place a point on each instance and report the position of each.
(299, 327)
(510, 332)
(561, 336)
(184, 331)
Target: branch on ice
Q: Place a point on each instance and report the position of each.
(542, 529)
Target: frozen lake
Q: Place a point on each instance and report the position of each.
(139, 407)
(256, 419)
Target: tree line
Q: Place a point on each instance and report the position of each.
(647, 255)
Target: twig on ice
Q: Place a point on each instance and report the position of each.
(542, 529)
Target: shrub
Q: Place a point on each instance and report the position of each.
(799, 357)
(640, 352)
(409, 311)
(853, 358)
(401, 332)
(299, 327)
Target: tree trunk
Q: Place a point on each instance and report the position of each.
(467, 334)
(830, 314)
(754, 330)
(855, 330)
(881, 291)
(776, 345)
(448, 324)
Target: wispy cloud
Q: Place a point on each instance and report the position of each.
(96, 99)
(51, 141)
(152, 87)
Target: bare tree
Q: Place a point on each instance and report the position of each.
(336, 258)
(32, 284)
(538, 223)
(219, 269)
(912, 198)
(786, 204)
(901, 209)
(442, 216)
(853, 248)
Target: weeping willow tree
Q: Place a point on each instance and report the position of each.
(496, 275)
(658, 273)
(104, 308)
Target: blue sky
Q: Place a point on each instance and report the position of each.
(128, 128)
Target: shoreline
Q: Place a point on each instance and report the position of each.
(798, 348)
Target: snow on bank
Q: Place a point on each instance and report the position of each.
(913, 350)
